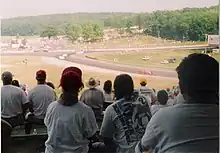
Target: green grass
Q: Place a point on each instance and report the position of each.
(135, 58)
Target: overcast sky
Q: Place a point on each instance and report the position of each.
(13, 8)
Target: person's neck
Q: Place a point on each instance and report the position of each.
(40, 83)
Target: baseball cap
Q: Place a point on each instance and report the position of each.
(71, 78)
(41, 75)
(7, 75)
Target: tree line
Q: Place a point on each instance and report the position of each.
(186, 24)
(88, 32)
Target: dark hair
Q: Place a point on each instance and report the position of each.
(108, 86)
(50, 84)
(15, 83)
(123, 86)
(199, 77)
(143, 83)
(162, 97)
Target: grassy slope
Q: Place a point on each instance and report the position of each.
(135, 58)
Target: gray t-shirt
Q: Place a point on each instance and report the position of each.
(69, 127)
(125, 122)
(40, 97)
(155, 108)
(93, 98)
(12, 99)
(183, 128)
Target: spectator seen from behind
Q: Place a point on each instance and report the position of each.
(15, 83)
(125, 120)
(147, 92)
(162, 98)
(94, 98)
(109, 97)
(194, 125)
(50, 84)
(70, 123)
(14, 102)
(40, 97)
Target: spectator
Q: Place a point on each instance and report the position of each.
(14, 103)
(179, 99)
(94, 98)
(162, 98)
(15, 83)
(24, 88)
(50, 84)
(70, 124)
(40, 97)
(125, 120)
(193, 126)
(146, 91)
(108, 94)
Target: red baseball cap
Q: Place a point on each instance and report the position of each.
(41, 75)
(71, 76)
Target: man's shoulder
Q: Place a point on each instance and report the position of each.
(83, 106)
(11, 88)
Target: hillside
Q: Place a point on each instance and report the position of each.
(34, 24)
(186, 24)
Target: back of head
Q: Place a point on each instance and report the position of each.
(7, 77)
(71, 83)
(41, 76)
(143, 82)
(199, 78)
(162, 97)
(123, 86)
(50, 84)
(108, 86)
(15, 83)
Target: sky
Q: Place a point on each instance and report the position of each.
(14, 8)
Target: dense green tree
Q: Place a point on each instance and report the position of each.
(49, 31)
(73, 32)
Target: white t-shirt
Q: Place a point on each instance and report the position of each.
(12, 99)
(40, 97)
(148, 93)
(69, 127)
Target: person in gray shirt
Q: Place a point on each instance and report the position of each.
(94, 98)
(194, 125)
(14, 103)
(40, 97)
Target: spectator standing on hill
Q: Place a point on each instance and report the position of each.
(109, 97)
(194, 125)
(94, 98)
(162, 98)
(14, 103)
(40, 97)
(125, 120)
(70, 123)
(147, 92)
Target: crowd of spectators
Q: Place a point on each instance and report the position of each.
(120, 118)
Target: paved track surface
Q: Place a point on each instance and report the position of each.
(111, 66)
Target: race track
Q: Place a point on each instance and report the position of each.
(111, 66)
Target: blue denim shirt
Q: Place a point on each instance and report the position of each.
(186, 128)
